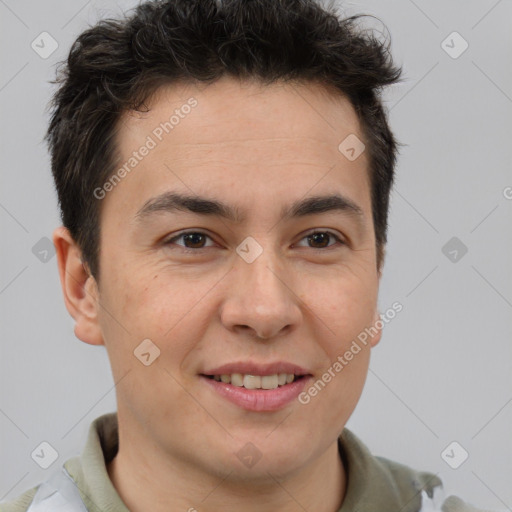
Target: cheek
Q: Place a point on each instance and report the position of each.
(139, 296)
(345, 388)
(345, 310)
(350, 310)
(168, 310)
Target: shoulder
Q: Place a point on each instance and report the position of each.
(414, 490)
(374, 480)
(428, 488)
(404, 477)
(433, 494)
(20, 503)
(379, 484)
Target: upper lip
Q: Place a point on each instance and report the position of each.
(252, 368)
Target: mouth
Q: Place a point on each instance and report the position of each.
(257, 388)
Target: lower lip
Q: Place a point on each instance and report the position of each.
(259, 399)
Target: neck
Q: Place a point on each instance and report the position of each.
(145, 480)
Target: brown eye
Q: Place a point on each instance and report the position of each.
(320, 239)
(192, 240)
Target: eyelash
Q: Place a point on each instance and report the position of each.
(189, 251)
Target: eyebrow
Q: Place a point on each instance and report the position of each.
(171, 202)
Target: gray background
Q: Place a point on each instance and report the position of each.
(442, 371)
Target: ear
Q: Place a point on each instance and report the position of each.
(376, 317)
(376, 323)
(79, 288)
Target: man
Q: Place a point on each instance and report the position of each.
(223, 172)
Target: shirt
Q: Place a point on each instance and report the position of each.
(374, 484)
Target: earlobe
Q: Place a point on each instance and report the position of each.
(79, 288)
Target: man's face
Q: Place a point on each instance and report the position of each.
(258, 293)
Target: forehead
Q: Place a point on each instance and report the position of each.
(231, 111)
(248, 91)
(257, 139)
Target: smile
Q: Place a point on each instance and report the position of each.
(258, 393)
(256, 381)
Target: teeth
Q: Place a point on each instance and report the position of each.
(237, 379)
(269, 382)
(256, 381)
(252, 382)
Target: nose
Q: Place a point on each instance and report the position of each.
(261, 299)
